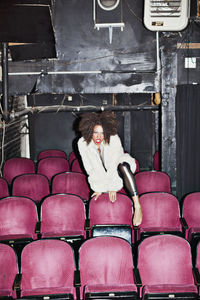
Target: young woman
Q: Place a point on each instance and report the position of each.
(104, 159)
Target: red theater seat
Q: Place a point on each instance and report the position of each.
(34, 186)
(111, 218)
(4, 190)
(152, 181)
(47, 268)
(50, 153)
(18, 219)
(8, 272)
(106, 269)
(17, 166)
(165, 267)
(71, 183)
(51, 166)
(161, 214)
(63, 215)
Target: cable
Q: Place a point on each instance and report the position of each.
(131, 10)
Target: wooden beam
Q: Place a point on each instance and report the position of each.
(188, 45)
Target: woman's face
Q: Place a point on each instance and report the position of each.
(98, 135)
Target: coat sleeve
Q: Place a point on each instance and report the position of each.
(115, 151)
(96, 177)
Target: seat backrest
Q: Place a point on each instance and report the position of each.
(160, 210)
(72, 156)
(16, 166)
(137, 166)
(50, 153)
(18, 216)
(75, 166)
(47, 265)
(106, 261)
(152, 181)
(71, 183)
(62, 214)
(103, 211)
(4, 190)
(34, 186)
(156, 161)
(198, 256)
(51, 166)
(165, 259)
(191, 209)
(8, 270)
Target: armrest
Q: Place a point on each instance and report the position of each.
(196, 276)
(184, 223)
(38, 227)
(77, 278)
(87, 224)
(17, 282)
(137, 277)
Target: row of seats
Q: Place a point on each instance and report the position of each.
(66, 216)
(50, 167)
(105, 270)
(47, 166)
(55, 158)
(49, 163)
(36, 186)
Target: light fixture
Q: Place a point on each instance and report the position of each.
(104, 11)
(108, 4)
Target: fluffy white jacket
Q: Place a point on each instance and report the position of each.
(99, 179)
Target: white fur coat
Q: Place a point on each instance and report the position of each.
(99, 179)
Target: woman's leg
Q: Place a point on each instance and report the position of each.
(129, 182)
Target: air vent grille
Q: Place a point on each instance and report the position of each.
(165, 8)
(166, 15)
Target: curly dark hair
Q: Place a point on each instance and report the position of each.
(107, 119)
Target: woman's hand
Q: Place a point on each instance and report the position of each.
(96, 195)
(112, 196)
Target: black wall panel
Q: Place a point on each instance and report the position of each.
(188, 143)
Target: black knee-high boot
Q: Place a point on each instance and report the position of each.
(128, 178)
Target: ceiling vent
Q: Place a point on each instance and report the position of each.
(164, 15)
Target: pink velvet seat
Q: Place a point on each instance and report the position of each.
(106, 269)
(197, 261)
(76, 166)
(63, 215)
(165, 267)
(51, 166)
(47, 268)
(72, 156)
(17, 166)
(156, 161)
(191, 214)
(161, 214)
(8, 272)
(152, 181)
(34, 186)
(50, 153)
(18, 219)
(4, 190)
(71, 183)
(111, 218)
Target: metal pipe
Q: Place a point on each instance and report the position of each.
(60, 108)
(158, 67)
(5, 81)
(42, 73)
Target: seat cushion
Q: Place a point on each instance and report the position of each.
(95, 288)
(169, 288)
(48, 291)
